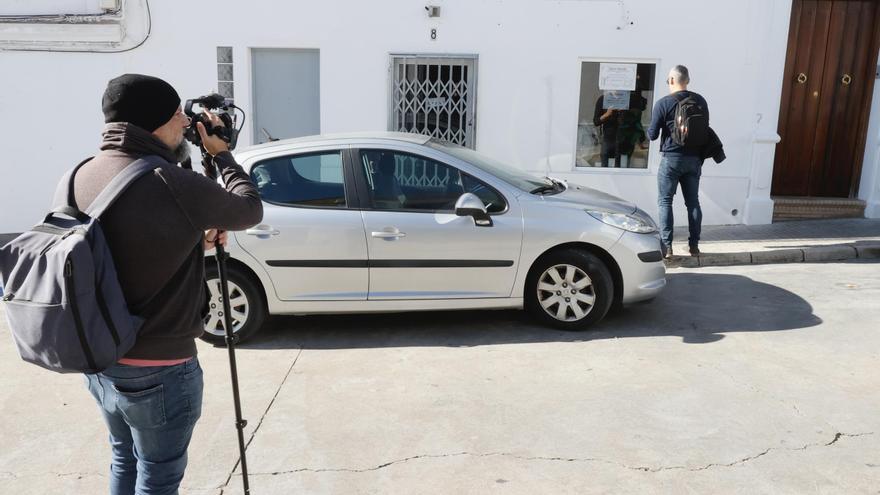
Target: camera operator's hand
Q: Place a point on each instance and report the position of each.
(212, 144)
(212, 236)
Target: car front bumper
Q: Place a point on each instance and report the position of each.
(642, 280)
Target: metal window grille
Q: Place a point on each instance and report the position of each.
(435, 96)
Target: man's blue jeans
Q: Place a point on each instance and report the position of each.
(675, 170)
(151, 413)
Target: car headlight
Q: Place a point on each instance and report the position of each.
(631, 223)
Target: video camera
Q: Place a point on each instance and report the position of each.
(224, 108)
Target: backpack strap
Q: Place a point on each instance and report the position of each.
(64, 192)
(121, 182)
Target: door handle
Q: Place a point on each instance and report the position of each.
(262, 230)
(388, 235)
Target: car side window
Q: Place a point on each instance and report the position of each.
(494, 202)
(313, 179)
(401, 181)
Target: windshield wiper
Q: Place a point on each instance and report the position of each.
(553, 186)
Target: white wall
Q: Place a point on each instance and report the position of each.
(869, 188)
(528, 77)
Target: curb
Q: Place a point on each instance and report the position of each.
(807, 254)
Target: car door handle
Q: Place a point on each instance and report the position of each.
(262, 230)
(388, 235)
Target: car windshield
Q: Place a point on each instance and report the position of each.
(516, 178)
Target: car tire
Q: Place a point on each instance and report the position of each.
(247, 300)
(570, 289)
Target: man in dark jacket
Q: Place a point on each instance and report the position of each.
(679, 165)
(158, 231)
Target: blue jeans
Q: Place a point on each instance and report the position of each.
(675, 170)
(150, 412)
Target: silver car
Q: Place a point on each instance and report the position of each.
(389, 222)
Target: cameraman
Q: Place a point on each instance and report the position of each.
(158, 232)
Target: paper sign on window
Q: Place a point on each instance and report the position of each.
(621, 77)
(615, 100)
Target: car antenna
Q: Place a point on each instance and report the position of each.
(268, 136)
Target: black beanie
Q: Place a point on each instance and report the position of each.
(145, 101)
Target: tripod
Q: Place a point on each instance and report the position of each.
(240, 423)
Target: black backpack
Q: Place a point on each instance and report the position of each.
(691, 129)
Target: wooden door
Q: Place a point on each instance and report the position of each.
(826, 97)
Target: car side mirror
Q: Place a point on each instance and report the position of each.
(469, 205)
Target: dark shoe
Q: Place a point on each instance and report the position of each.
(695, 251)
(667, 253)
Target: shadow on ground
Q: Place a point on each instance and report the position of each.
(699, 308)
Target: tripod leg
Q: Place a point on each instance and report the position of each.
(230, 345)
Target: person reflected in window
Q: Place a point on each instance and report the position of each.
(606, 121)
(620, 128)
(630, 131)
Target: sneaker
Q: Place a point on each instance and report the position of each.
(695, 251)
(667, 254)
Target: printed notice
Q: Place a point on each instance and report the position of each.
(621, 77)
(616, 100)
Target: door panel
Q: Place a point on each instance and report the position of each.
(806, 91)
(823, 115)
(418, 247)
(310, 253)
(286, 93)
(833, 176)
(858, 94)
(442, 256)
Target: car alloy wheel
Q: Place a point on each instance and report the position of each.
(215, 321)
(246, 297)
(566, 293)
(570, 289)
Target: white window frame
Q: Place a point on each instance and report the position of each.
(121, 28)
(653, 147)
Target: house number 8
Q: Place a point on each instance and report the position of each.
(434, 34)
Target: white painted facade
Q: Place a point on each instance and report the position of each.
(529, 63)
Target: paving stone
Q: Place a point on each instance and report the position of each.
(829, 253)
(778, 256)
(725, 259)
(868, 250)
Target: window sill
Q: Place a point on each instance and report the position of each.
(117, 31)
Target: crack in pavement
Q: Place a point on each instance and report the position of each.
(262, 418)
(744, 460)
(837, 436)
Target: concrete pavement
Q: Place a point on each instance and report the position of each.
(780, 242)
(755, 379)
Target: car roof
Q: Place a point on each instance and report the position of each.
(340, 138)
